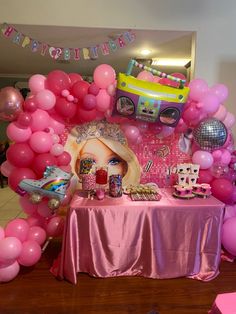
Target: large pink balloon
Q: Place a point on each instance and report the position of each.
(229, 235)
(65, 108)
(37, 83)
(18, 175)
(64, 159)
(104, 75)
(11, 102)
(46, 99)
(80, 89)
(57, 81)
(222, 189)
(41, 161)
(18, 228)
(20, 155)
(103, 101)
(10, 249)
(41, 142)
(85, 115)
(75, 77)
(40, 120)
(17, 134)
(198, 88)
(203, 158)
(221, 92)
(37, 234)
(31, 253)
(9, 272)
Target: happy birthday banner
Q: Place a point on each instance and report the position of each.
(66, 53)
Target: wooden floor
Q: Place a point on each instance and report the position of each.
(35, 290)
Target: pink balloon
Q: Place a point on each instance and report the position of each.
(37, 234)
(30, 104)
(221, 113)
(46, 99)
(24, 120)
(57, 81)
(132, 133)
(55, 226)
(111, 90)
(43, 209)
(64, 159)
(203, 158)
(31, 253)
(65, 108)
(156, 79)
(145, 76)
(41, 142)
(198, 88)
(75, 77)
(56, 149)
(18, 228)
(27, 206)
(103, 101)
(166, 131)
(230, 211)
(85, 115)
(2, 233)
(216, 154)
(221, 189)
(9, 272)
(229, 235)
(10, 249)
(37, 83)
(210, 103)
(80, 89)
(89, 102)
(17, 134)
(57, 124)
(41, 161)
(36, 220)
(93, 89)
(55, 138)
(20, 155)
(225, 157)
(205, 176)
(104, 75)
(221, 92)
(229, 120)
(18, 175)
(7, 168)
(40, 120)
(191, 113)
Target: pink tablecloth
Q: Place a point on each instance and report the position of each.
(119, 237)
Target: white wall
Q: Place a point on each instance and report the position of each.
(214, 21)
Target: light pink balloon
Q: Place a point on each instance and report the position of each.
(221, 92)
(221, 113)
(37, 234)
(156, 79)
(198, 88)
(40, 120)
(55, 226)
(46, 99)
(104, 75)
(103, 101)
(56, 149)
(145, 76)
(18, 228)
(166, 131)
(210, 103)
(57, 124)
(2, 233)
(10, 272)
(10, 249)
(216, 154)
(27, 206)
(111, 90)
(229, 120)
(132, 133)
(203, 158)
(7, 168)
(17, 134)
(41, 142)
(229, 235)
(30, 254)
(37, 83)
(225, 157)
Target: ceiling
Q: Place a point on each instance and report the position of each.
(16, 61)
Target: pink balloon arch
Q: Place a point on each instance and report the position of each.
(37, 125)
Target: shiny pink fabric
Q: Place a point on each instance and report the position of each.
(119, 237)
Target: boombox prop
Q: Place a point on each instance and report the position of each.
(148, 101)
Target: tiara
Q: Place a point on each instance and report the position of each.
(96, 129)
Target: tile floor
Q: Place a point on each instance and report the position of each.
(9, 206)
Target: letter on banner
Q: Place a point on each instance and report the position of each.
(121, 42)
(26, 42)
(94, 52)
(66, 53)
(17, 38)
(34, 45)
(44, 49)
(129, 36)
(105, 49)
(76, 53)
(112, 45)
(7, 30)
(86, 53)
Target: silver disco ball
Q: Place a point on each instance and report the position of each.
(210, 134)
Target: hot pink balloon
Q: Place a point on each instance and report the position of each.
(198, 88)
(57, 81)
(205, 176)
(89, 102)
(41, 161)
(104, 75)
(7, 168)
(221, 189)
(75, 77)
(18, 175)
(221, 92)
(103, 101)
(85, 115)
(64, 159)
(229, 120)
(93, 89)
(20, 155)
(11, 103)
(9, 272)
(24, 120)
(37, 83)
(191, 113)
(27, 206)
(40, 120)
(30, 104)
(65, 108)
(203, 158)
(46, 99)
(31, 253)
(17, 134)
(221, 113)
(37, 234)
(18, 228)
(132, 133)
(10, 249)
(55, 226)
(41, 142)
(80, 89)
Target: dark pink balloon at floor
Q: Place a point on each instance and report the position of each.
(65, 108)
(11, 103)
(41, 161)
(80, 89)
(57, 81)
(31, 253)
(75, 77)
(20, 155)
(18, 175)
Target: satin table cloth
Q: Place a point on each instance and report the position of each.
(158, 239)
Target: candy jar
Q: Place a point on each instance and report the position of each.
(88, 176)
(115, 185)
(101, 179)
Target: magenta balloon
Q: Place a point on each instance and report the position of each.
(89, 102)
(18, 228)
(24, 120)
(221, 189)
(40, 120)
(104, 75)
(41, 161)
(191, 113)
(7, 168)
(30, 104)
(41, 142)
(46, 99)
(57, 81)
(75, 77)
(203, 158)
(9, 272)
(221, 92)
(20, 155)
(55, 226)
(27, 206)
(93, 89)
(31, 253)
(11, 103)
(64, 159)
(10, 249)
(17, 134)
(198, 88)
(145, 76)
(85, 115)
(229, 235)
(18, 175)
(37, 83)
(205, 176)
(65, 108)
(80, 89)
(37, 234)
(103, 101)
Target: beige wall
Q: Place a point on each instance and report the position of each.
(213, 20)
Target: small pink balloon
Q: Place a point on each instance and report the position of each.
(37, 234)
(27, 206)
(46, 99)
(225, 157)
(221, 91)
(89, 102)
(7, 168)
(10, 249)
(18, 228)
(30, 104)
(93, 89)
(203, 158)
(40, 120)
(41, 142)
(37, 83)
(103, 101)
(24, 120)
(65, 93)
(8, 273)
(111, 90)
(55, 226)
(198, 88)
(31, 253)
(17, 134)
(104, 75)
(64, 159)
(132, 133)
(145, 76)
(56, 149)
(210, 103)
